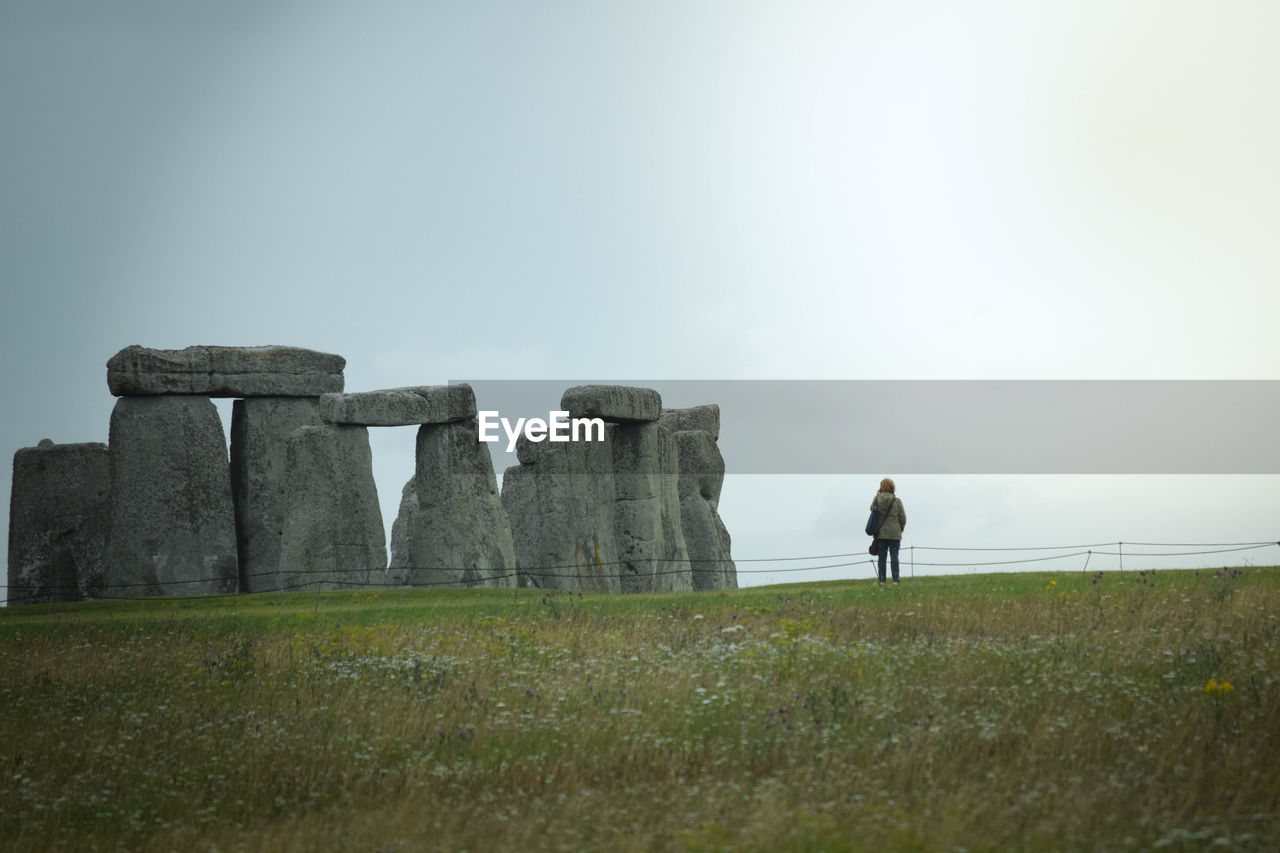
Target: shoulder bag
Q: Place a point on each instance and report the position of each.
(878, 523)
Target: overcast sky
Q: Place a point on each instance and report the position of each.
(661, 190)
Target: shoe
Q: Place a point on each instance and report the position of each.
(895, 583)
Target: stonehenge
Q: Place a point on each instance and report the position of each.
(164, 509)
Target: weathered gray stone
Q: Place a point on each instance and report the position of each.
(562, 507)
(333, 535)
(620, 403)
(426, 404)
(225, 372)
(260, 430)
(705, 418)
(58, 522)
(706, 538)
(520, 500)
(461, 535)
(172, 525)
(527, 452)
(701, 465)
(401, 528)
(647, 530)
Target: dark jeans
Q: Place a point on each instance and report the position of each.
(888, 547)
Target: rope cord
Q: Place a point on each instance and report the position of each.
(548, 572)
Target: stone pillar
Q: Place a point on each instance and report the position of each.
(172, 525)
(706, 538)
(58, 522)
(401, 531)
(647, 536)
(461, 535)
(560, 500)
(260, 430)
(332, 534)
(696, 431)
(647, 529)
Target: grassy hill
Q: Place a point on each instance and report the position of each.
(1032, 711)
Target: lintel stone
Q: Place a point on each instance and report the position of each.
(620, 403)
(271, 371)
(414, 406)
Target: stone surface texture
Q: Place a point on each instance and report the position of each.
(705, 418)
(651, 547)
(58, 522)
(636, 513)
(706, 538)
(460, 534)
(401, 560)
(619, 403)
(260, 430)
(427, 404)
(172, 525)
(333, 536)
(271, 371)
(561, 503)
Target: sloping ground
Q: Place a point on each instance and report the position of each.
(1033, 711)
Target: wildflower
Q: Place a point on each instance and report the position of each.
(1215, 686)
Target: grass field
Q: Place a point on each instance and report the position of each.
(1029, 711)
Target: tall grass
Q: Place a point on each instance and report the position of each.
(1029, 711)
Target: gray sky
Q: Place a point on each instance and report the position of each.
(669, 190)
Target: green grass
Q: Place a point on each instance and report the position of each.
(1008, 711)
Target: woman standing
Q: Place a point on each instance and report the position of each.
(893, 520)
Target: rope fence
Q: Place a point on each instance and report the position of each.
(576, 572)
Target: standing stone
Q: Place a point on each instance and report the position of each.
(649, 538)
(461, 535)
(225, 372)
(260, 430)
(706, 538)
(172, 524)
(561, 502)
(520, 500)
(58, 522)
(333, 535)
(401, 530)
(705, 418)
